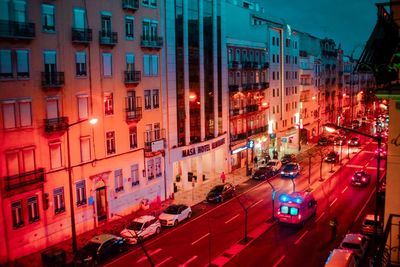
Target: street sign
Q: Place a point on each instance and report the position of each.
(250, 144)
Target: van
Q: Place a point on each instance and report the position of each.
(341, 258)
(296, 208)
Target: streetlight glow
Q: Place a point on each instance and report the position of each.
(93, 121)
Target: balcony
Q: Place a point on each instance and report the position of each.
(130, 5)
(233, 65)
(233, 88)
(238, 137)
(264, 85)
(247, 64)
(247, 86)
(55, 125)
(251, 108)
(52, 79)
(23, 179)
(133, 114)
(154, 140)
(256, 86)
(256, 65)
(81, 35)
(108, 38)
(258, 130)
(236, 111)
(132, 77)
(17, 30)
(265, 65)
(151, 41)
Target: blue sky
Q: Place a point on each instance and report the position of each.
(348, 22)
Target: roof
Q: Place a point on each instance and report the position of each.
(102, 238)
(144, 218)
(338, 257)
(371, 217)
(353, 238)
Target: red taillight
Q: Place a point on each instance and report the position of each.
(299, 216)
(352, 178)
(364, 179)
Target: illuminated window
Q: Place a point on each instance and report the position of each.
(16, 211)
(108, 104)
(80, 193)
(284, 209)
(294, 211)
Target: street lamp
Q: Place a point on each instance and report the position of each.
(330, 127)
(71, 201)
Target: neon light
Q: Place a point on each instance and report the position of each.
(283, 198)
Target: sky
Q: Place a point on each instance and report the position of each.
(347, 22)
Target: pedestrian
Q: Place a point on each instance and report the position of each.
(333, 224)
(275, 154)
(223, 177)
(255, 160)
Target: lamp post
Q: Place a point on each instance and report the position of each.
(71, 201)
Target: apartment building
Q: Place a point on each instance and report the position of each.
(61, 64)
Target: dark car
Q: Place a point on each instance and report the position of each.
(381, 152)
(220, 192)
(361, 178)
(98, 249)
(339, 140)
(288, 158)
(262, 173)
(354, 141)
(323, 141)
(382, 192)
(291, 170)
(332, 157)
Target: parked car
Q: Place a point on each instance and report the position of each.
(339, 140)
(354, 141)
(274, 165)
(382, 153)
(262, 173)
(323, 141)
(98, 249)
(332, 157)
(367, 227)
(341, 258)
(291, 170)
(141, 228)
(288, 158)
(361, 178)
(174, 214)
(357, 243)
(220, 192)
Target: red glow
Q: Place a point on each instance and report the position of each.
(192, 97)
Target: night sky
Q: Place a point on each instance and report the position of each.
(348, 22)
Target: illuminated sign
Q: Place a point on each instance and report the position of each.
(203, 148)
(237, 150)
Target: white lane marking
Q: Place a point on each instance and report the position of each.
(368, 152)
(320, 216)
(279, 261)
(369, 198)
(204, 236)
(258, 202)
(354, 166)
(188, 261)
(231, 219)
(164, 261)
(151, 253)
(300, 238)
(333, 202)
(374, 168)
(344, 190)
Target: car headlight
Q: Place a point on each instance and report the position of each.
(326, 157)
(291, 173)
(282, 172)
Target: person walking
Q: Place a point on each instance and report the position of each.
(223, 178)
(333, 223)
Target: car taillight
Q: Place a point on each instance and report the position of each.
(364, 179)
(352, 178)
(299, 216)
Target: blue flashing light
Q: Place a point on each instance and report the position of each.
(298, 200)
(250, 144)
(284, 198)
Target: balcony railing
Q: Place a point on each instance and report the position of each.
(132, 77)
(265, 65)
(52, 79)
(132, 5)
(81, 35)
(151, 41)
(151, 137)
(23, 179)
(108, 38)
(56, 125)
(258, 130)
(133, 114)
(256, 86)
(264, 85)
(247, 64)
(236, 111)
(251, 108)
(233, 88)
(256, 65)
(247, 86)
(237, 137)
(388, 253)
(15, 29)
(233, 64)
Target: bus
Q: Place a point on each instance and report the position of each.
(296, 208)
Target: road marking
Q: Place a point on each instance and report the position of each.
(354, 166)
(344, 190)
(369, 198)
(368, 152)
(374, 168)
(231, 219)
(333, 202)
(151, 253)
(279, 261)
(320, 216)
(204, 236)
(188, 261)
(258, 202)
(164, 261)
(300, 238)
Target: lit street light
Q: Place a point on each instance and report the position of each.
(71, 201)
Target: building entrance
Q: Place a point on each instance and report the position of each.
(101, 203)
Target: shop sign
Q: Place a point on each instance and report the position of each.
(157, 145)
(237, 150)
(203, 148)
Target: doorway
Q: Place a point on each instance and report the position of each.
(101, 203)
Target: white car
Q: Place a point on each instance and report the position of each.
(357, 243)
(174, 214)
(274, 165)
(141, 228)
(368, 225)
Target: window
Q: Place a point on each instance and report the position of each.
(55, 155)
(149, 30)
(135, 174)
(80, 58)
(79, 18)
(150, 65)
(16, 211)
(119, 183)
(50, 63)
(110, 137)
(107, 64)
(273, 40)
(149, 3)
(108, 104)
(147, 99)
(5, 64)
(156, 98)
(52, 108)
(59, 204)
(33, 209)
(83, 107)
(133, 137)
(85, 148)
(150, 174)
(157, 167)
(129, 27)
(17, 113)
(22, 63)
(80, 193)
(157, 131)
(48, 22)
(273, 92)
(130, 62)
(106, 24)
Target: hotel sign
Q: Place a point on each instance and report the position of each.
(203, 148)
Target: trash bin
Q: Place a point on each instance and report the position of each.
(54, 257)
